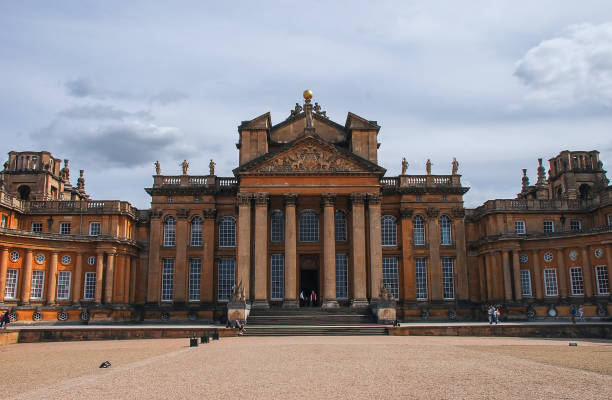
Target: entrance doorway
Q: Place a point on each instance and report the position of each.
(309, 278)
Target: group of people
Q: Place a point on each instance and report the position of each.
(576, 312)
(240, 326)
(308, 300)
(494, 314)
(5, 319)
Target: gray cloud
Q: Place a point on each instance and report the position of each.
(167, 97)
(102, 111)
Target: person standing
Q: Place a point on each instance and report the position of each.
(6, 319)
(573, 314)
(302, 299)
(497, 315)
(491, 313)
(581, 313)
(313, 298)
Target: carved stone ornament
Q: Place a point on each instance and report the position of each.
(182, 213)
(406, 213)
(459, 212)
(328, 199)
(309, 158)
(374, 198)
(433, 212)
(244, 199)
(156, 214)
(209, 213)
(237, 293)
(290, 199)
(357, 198)
(262, 199)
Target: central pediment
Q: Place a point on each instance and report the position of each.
(310, 155)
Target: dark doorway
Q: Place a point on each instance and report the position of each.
(309, 279)
(24, 192)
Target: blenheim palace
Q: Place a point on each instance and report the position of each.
(308, 208)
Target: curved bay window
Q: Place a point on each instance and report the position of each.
(196, 232)
(340, 226)
(276, 226)
(418, 231)
(227, 232)
(445, 230)
(169, 231)
(309, 227)
(388, 228)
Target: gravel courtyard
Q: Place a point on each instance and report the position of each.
(310, 367)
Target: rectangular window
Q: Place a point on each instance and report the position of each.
(526, 283)
(167, 289)
(421, 278)
(65, 228)
(10, 290)
(94, 229)
(609, 219)
(519, 227)
(37, 227)
(63, 285)
(4, 222)
(603, 281)
(89, 288)
(448, 278)
(576, 281)
(38, 284)
(277, 266)
(575, 225)
(195, 278)
(549, 226)
(341, 276)
(276, 226)
(227, 271)
(550, 282)
(391, 275)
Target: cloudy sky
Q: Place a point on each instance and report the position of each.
(114, 85)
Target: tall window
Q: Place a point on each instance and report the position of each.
(576, 281)
(277, 265)
(65, 228)
(10, 290)
(196, 232)
(169, 231)
(167, 289)
(276, 226)
(526, 283)
(309, 227)
(94, 229)
(445, 230)
(38, 284)
(89, 288)
(63, 285)
(419, 230)
(550, 282)
(37, 227)
(227, 268)
(340, 226)
(519, 227)
(549, 226)
(389, 230)
(4, 222)
(227, 232)
(341, 276)
(421, 278)
(575, 225)
(448, 278)
(195, 277)
(603, 280)
(609, 219)
(391, 275)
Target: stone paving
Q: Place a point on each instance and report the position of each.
(310, 367)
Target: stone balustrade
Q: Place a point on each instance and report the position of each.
(11, 201)
(73, 237)
(421, 181)
(190, 181)
(80, 207)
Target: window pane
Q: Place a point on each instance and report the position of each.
(276, 226)
(389, 231)
(603, 281)
(445, 230)
(341, 276)
(277, 265)
(37, 227)
(94, 229)
(227, 267)
(38, 284)
(227, 232)
(549, 226)
(309, 227)
(391, 275)
(421, 279)
(195, 278)
(10, 290)
(196, 232)
(167, 279)
(448, 278)
(419, 230)
(550, 282)
(89, 289)
(340, 226)
(576, 281)
(519, 227)
(526, 283)
(65, 228)
(169, 231)
(63, 285)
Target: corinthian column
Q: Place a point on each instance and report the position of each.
(358, 251)
(52, 286)
(110, 278)
(99, 276)
(26, 287)
(244, 243)
(3, 268)
(329, 252)
(261, 251)
(290, 253)
(375, 245)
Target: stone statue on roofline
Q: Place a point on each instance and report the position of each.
(157, 168)
(455, 166)
(185, 166)
(428, 166)
(211, 167)
(404, 165)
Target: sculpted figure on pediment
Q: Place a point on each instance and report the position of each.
(308, 158)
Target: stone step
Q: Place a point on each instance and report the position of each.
(317, 331)
(309, 320)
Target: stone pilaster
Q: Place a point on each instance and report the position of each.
(507, 275)
(127, 268)
(489, 272)
(462, 263)
(435, 273)
(587, 272)
(180, 261)
(329, 252)
(516, 273)
(51, 279)
(358, 251)
(26, 285)
(78, 279)
(408, 291)
(538, 278)
(562, 270)
(261, 251)
(99, 276)
(207, 288)
(374, 215)
(154, 270)
(244, 243)
(3, 269)
(482, 278)
(290, 252)
(110, 278)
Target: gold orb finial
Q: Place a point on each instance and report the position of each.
(307, 94)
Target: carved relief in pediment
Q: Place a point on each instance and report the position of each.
(309, 158)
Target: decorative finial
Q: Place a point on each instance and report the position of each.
(307, 94)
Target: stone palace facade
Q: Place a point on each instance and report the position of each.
(308, 208)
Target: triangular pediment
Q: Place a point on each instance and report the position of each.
(293, 127)
(310, 155)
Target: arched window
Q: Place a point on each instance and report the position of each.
(169, 231)
(418, 230)
(389, 230)
(309, 227)
(276, 226)
(227, 232)
(445, 230)
(340, 226)
(196, 232)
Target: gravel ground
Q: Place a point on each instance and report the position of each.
(310, 367)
